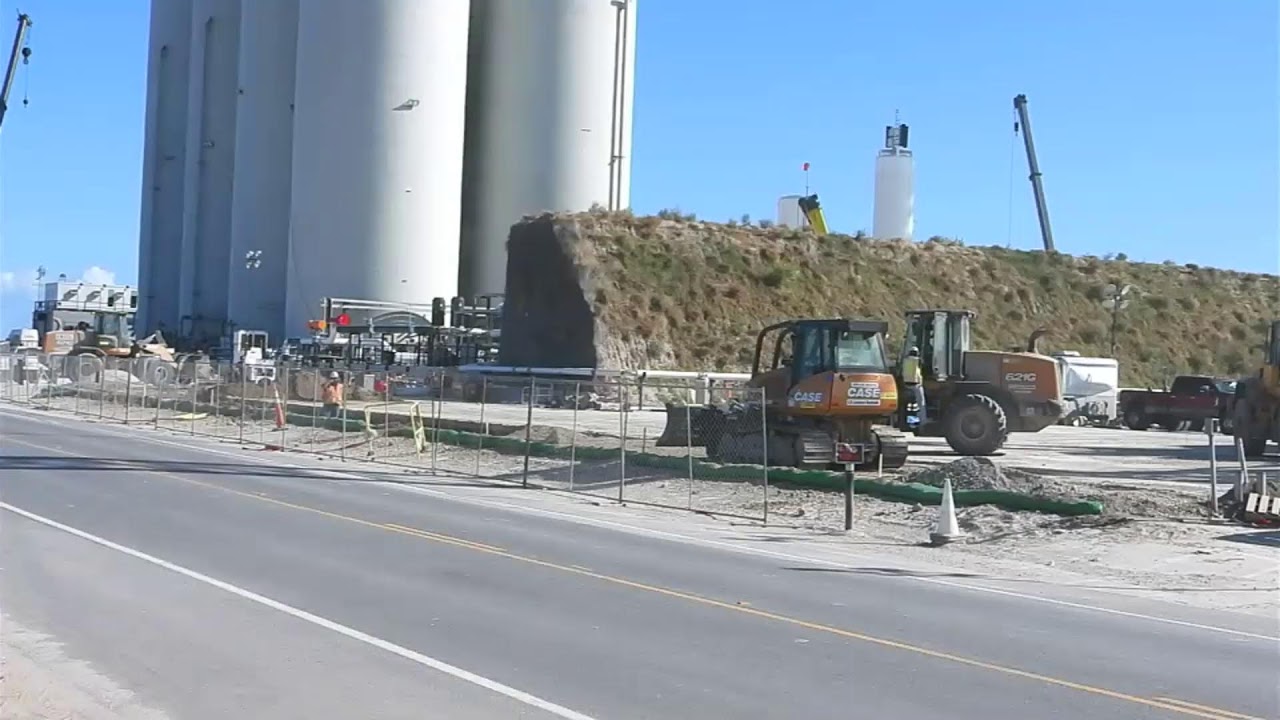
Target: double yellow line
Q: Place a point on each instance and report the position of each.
(1181, 707)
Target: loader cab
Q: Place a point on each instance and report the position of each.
(800, 349)
(943, 339)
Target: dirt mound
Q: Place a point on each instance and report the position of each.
(979, 473)
(613, 290)
(1118, 500)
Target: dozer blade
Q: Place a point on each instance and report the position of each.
(687, 425)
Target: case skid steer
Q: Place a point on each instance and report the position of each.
(975, 398)
(1256, 407)
(829, 398)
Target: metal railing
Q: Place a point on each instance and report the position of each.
(603, 438)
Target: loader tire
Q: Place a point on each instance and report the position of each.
(975, 425)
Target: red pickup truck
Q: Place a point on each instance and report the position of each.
(1191, 399)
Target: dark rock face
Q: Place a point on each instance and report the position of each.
(547, 321)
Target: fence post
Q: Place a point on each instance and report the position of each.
(102, 387)
(128, 390)
(195, 392)
(160, 387)
(764, 451)
(484, 429)
(528, 431)
(386, 407)
(345, 376)
(1210, 427)
(573, 434)
(78, 378)
(437, 412)
(848, 497)
(142, 402)
(688, 429)
(622, 439)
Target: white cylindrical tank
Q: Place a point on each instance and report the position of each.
(163, 166)
(549, 121)
(377, 152)
(210, 165)
(894, 214)
(263, 166)
(789, 213)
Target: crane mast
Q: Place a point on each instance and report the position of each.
(1037, 185)
(11, 71)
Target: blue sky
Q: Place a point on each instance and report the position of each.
(1156, 122)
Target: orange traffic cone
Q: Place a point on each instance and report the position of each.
(279, 407)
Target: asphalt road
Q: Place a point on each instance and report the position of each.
(225, 585)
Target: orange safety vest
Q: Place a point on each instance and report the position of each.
(333, 394)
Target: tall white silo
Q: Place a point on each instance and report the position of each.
(210, 167)
(549, 120)
(377, 152)
(163, 165)
(789, 213)
(894, 212)
(263, 166)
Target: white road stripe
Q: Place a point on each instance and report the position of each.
(434, 664)
(665, 535)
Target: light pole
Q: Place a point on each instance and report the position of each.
(1115, 297)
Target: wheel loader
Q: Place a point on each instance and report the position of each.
(975, 398)
(829, 399)
(1256, 406)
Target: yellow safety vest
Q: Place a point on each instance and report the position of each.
(911, 370)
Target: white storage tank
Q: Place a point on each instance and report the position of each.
(210, 164)
(549, 120)
(894, 215)
(163, 165)
(789, 213)
(263, 166)
(377, 152)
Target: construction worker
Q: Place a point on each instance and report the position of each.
(332, 395)
(914, 380)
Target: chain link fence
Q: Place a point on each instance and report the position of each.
(685, 444)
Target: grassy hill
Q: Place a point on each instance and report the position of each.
(672, 292)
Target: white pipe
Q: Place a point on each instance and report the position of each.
(590, 372)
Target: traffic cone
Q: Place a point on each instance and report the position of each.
(948, 527)
(279, 407)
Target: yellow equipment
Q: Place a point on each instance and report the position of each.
(975, 398)
(813, 213)
(1256, 411)
(829, 399)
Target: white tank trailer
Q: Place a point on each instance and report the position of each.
(894, 211)
(164, 165)
(789, 213)
(210, 163)
(263, 166)
(379, 110)
(549, 125)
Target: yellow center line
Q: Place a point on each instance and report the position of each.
(1177, 706)
(1225, 714)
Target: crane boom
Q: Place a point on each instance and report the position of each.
(1037, 185)
(19, 40)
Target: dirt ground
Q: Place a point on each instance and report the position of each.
(38, 682)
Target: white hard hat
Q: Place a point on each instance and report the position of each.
(333, 375)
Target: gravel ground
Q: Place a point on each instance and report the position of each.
(38, 682)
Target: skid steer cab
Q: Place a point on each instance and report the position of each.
(975, 398)
(829, 398)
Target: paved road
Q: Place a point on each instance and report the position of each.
(222, 585)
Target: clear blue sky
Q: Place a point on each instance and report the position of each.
(1156, 121)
